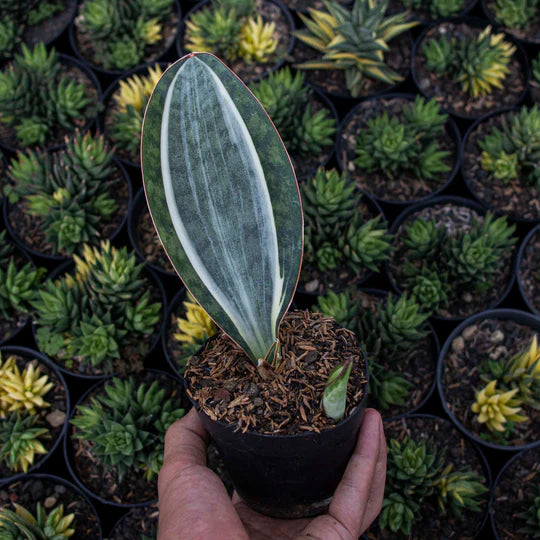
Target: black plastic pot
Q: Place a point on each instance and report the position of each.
(533, 451)
(466, 176)
(477, 23)
(67, 267)
(113, 73)
(68, 61)
(520, 317)
(69, 451)
(517, 271)
(152, 507)
(53, 259)
(30, 354)
(286, 476)
(447, 199)
(469, 6)
(179, 297)
(180, 49)
(62, 481)
(451, 131)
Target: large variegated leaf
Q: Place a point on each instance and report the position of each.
(223, 197)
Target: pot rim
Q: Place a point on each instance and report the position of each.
(517, 269)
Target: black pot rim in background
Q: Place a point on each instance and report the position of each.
(479, 452)
(59, 259)
(68, 446)
(119, 522)
(469, 6)
(69, 61)
(517, 270)
(466, 176)
(518, 316)
(113, 73)
(474, 22)
(31, 354)
(504, 468)
(459, 201)
(69, 265)
(165, 331)
(66, 483)
(280, 63)
(449, 127)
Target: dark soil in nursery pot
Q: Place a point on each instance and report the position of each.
(529, 34)
(78, 72)
(423, 15)
(516, 484)
(81, 42)
(304, 5)
(314, 282)
(514, 199)
(271, 11)
(404, 188)
(528, 270)
(133, 355)
(285, 457)
(430, 522)
(332, 81)
(136, 523)
(449, 93)
(30, 232)
(535, 91)
(494, 334)
(456, 214)
(53, 491)
(54, 417)
(92, 477)
(144, 237)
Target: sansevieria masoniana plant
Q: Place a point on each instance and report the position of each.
(225, 202)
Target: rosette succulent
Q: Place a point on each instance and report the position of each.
(516, 14)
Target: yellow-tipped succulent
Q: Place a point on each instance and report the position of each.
(134, 91)
(528, 360)
(197, 326)
(152, 31)
(257, 41)
(494, 408)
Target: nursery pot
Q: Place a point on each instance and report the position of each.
(286, 476)
(519, 259)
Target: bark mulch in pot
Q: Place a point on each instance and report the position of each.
(51, 493)
(531, 32)
(430, 522)
(136, 523)
(481, 341)
(511, 198)
(403, 187)
(449, 93)
(529, 271)
(517, 484)
(454, 218)
(227, 386)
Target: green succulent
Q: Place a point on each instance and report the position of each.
(430, 289)
(122, 31)
(516, 14)
(437, 8)
(424, 239)
(353, 41)
(44, 10)
(535, 69)
(387, 388)
(479, 64)
(127, 426)
(37, 97)
(340, 307)
(286, 99)
(513, 152)
(411, 145)
(529, 518)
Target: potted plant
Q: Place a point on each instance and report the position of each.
(429, 10)
(451, 257)
(519, 18)
(466, 66)
(344, 48)
(527, 274)
(305, 119)
(101, 318)
(399, 148)
(303, 5)
(60, 200)
(488, 377)
(114, 37)
(140, 522)
(235, 236)
(500, 162)
(437, 482)
(535, 79)
(115, 448)
(47, 505)
(34, 402)
(346, 236)
(401, 345)
(253, 36)
(19, 279)
(515, 498)
(33, 21)
(45, 96)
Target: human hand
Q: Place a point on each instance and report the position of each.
(194, 504)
